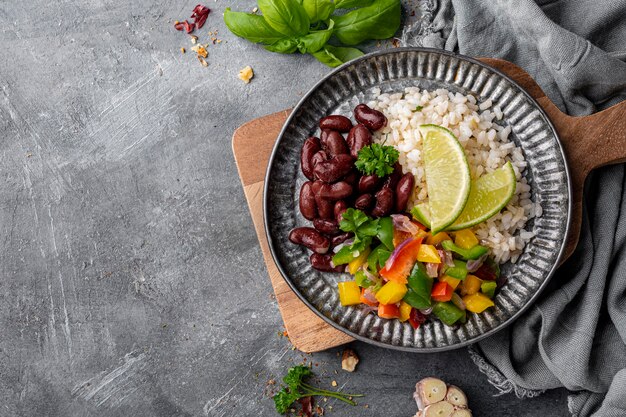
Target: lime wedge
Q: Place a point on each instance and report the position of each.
(447, 175)
(488, 195)
(421, 213)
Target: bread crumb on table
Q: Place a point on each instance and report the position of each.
(246, 74)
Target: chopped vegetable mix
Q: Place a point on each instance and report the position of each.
(408, 276)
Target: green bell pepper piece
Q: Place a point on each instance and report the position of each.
(385, 232)
(377, 258)
(362, 280)
(419, 287)
(494, 265)
(458, 271)
(447, 312)
(488, 288)
(466, 254)
(348, 253)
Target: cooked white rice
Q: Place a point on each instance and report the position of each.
(487, 147)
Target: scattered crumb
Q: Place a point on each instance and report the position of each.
(28, 155)
(194, 39)
(256, 9)
(200, 50)
(246, 75)
(203, 61)
(366, 406)
(183, 50)
(334, 383)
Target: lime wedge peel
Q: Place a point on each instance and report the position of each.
(421, 213)
(488, 195)
(447, 175)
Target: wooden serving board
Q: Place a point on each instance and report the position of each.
(589, 142)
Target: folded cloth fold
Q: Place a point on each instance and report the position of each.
(575, 335)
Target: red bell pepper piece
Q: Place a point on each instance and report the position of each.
(388, 311)
(416, 318)
(401, 261)
(442, 291)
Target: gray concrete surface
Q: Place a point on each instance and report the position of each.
(132, 283)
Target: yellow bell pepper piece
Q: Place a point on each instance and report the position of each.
(470, 285)
(453, 282)
(422, 233)
(357, 262)
(391, 293)
(428, 253)
(405, 311)
(466, 239)
(477, 303)
(438, 238)
(349, 293)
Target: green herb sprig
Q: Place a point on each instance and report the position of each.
(306, 26)
(377, 159)
(296, 388)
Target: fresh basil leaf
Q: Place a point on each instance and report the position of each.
(285, 16)
(283, 46)
(251, 27)
(315, 40)
(351, 4)
(380, 20)
(318, 9)
(333, 56)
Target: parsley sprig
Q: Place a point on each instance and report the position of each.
(377, 159)
(364, 229)
(296, 388)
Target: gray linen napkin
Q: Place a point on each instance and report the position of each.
(575, 335)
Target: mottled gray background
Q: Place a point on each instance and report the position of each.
(132, 281)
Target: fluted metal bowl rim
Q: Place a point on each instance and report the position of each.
(350, 333)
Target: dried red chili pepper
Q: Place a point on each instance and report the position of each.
(200, 14)
(189, 27)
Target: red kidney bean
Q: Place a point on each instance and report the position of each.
(325, 208)
(339, 239)
(364, 202)
(339, 209)
(384, 202)
(308, 207)
(368, 183)
(336, 191)
(372, 119)
(309, 148)
(403, 191)
(328, 227)
(334, 168)
(319, 156)
(324, 263)
(392, 180)
(358, 137)
(336, 122)
(311, 238)
(333, 143)
(352, 178)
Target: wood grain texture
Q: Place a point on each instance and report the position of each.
(252, 146)
(589, 142)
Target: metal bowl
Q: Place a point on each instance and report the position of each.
(392, 71)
